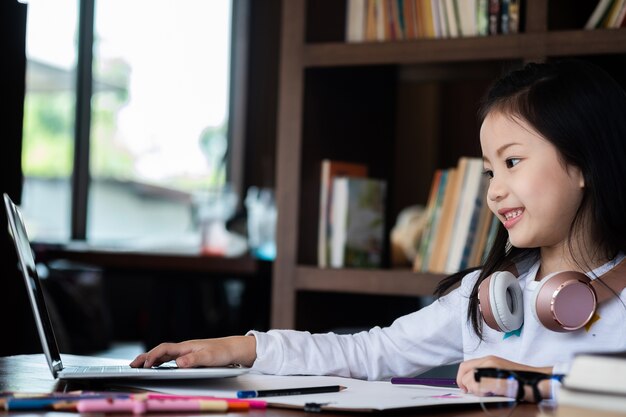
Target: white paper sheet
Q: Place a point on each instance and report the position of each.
(359, 395)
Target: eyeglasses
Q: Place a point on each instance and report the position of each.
(513, 384)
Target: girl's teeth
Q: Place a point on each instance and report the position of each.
(512, 214)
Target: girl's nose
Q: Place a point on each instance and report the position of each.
(496, 190)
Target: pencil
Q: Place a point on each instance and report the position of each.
(289, 391)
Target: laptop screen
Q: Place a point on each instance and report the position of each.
(35, 293)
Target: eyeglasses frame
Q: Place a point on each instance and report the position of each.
(523, 378)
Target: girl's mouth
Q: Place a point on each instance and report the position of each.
(512, 217)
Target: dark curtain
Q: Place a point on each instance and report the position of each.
(16, 319)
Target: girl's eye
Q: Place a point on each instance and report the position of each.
(488, 173)
(511, 162)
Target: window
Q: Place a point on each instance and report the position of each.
(157, 116)
(49, 109)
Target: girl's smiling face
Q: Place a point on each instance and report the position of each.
(531, 190)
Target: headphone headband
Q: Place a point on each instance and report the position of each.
(611, 283)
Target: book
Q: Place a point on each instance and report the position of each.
(435, 5)
(494, 16)
(418, 15)
(358, 214)
(600, 372)
(452, 18)
(443, 19)
(429, 24)
(445, 227)
(467, 17)
(466, 206)
(398, 19)
(381, 19)
(596, 381)
(598, 14)
(504, 17)
(410, 24)
(491, 237)
(612, 17)
(592, 401)
(371, 21)
(388, 20)
(573, 411)
(478, 223)
(329, 170)
(486, 216)
(514, 16)
(355, 20)
(431, 205)
(482, 17)
(428, 240)
(621, 17)
(410, 19)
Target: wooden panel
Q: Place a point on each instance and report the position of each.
(367, 281)
(242, 266)
(325, 21)
(289, 130)
(522, 46)
(262, 94)
(586, 42)
(562, 16)
(535, 16)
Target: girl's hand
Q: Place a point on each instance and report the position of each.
(205, 352)
(465, 376)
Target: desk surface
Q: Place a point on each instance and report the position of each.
(29, 373)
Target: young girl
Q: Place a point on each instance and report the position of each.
(553, 138)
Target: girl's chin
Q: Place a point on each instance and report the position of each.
(521, 244)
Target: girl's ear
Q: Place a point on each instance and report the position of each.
(581, 177)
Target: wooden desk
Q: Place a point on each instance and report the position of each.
(30, 373)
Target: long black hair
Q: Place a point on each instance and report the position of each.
(581, 110)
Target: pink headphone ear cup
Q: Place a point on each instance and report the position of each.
(564, 301)
(484, 305)
(501, 301)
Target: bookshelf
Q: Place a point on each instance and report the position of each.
(403, 108)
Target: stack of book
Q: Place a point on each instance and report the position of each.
(391, 20)
(595, 384)
(351, 221)
(460, 226)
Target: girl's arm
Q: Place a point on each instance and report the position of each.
(413, 344)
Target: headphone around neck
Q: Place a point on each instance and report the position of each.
(562, 302)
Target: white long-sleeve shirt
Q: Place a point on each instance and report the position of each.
(440, 334)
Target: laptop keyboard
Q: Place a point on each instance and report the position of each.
(112, 369)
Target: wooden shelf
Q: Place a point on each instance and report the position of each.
(521, 46)
(154, 261)
(330, 90)
(401, 282)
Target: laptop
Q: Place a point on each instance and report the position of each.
(17, 231)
